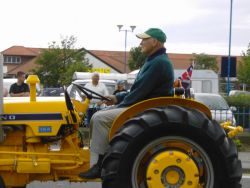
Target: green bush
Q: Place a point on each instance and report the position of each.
(242, 114)
(239, 101)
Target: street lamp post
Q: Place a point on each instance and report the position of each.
(1, 85)
(1, 96)
(229, 49)
(125, 53)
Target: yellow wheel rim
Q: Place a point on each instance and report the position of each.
(172, 161)
(172, 169)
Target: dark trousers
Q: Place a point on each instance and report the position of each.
(89, 115)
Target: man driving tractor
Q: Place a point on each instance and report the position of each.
(155, 79)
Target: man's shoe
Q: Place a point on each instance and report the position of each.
(92, 173)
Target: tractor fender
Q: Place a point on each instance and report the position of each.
(153, 103)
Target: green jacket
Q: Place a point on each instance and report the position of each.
(155, 79)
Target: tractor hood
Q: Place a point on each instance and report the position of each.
(13, 105)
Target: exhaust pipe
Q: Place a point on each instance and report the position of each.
(32, 80)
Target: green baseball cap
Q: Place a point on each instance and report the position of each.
(155, 33)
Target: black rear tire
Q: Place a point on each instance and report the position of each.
(163, 123)
(2, 184)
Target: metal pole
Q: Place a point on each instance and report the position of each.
(1, 98)
(125, 54)
(1, 84)
(125, 51)
(229, 49)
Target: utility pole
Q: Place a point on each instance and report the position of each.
(1, 97)
(229, 49)
(1, 84)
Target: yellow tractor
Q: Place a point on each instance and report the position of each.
(157, 143)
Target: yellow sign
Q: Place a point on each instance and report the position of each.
(100, 70)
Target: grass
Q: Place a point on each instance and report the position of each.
(245, 141)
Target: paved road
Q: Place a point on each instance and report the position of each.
(64, 184)
(245, 159)
(245, 181)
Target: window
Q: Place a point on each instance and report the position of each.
(12, 59)
(9, 59)
(18, 59)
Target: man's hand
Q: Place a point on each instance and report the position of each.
(99, 103)
(112, 101)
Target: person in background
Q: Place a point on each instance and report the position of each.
(95, 104)
(178, 87)
(5, 92)
(155, 79)
(19, 89)
(120, 87)
(178, 83)
(186, 84)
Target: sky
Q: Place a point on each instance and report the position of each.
(191, 26)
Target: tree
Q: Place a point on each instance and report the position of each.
(136, 59)
(57, 64)
(243, 73)
(204, 61)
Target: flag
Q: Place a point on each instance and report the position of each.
(188, 73)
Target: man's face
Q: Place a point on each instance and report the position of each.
(120, 87)
(21, 78)
(148, 45)
(95, 79)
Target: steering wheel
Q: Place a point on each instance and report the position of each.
(89, 93)
(69, 105)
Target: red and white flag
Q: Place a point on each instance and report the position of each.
(188, 73)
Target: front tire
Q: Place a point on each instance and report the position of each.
(171, 147)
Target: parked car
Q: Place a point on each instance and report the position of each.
(220, 110)
(52, 92)
(75, 93)
(238, 92)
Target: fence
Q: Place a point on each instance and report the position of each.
(240, 116)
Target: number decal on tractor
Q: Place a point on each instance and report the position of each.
(45, 129)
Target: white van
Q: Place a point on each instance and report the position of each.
(109, 79)
(103, 76)
(74, 91)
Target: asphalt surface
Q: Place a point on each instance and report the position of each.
(245, 184)
(62, 184)
(245, 160)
